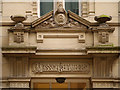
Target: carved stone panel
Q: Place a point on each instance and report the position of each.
(102, 85)
(19, 84)
(18, 37)
(40, 67)
(103, 37)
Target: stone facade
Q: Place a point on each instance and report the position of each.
(59, 44)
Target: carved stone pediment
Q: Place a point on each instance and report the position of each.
(60, 19)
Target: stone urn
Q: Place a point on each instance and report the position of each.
(102, 18)
(18, 18)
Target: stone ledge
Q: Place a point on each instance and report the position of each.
(19, 47)
(103, 48)
(14, 49)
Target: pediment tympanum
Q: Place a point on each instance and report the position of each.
(60, 19)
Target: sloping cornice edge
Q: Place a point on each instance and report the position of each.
(43, 18)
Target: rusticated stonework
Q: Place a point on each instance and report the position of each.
(60, 67)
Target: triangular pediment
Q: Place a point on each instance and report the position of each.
(49, 21)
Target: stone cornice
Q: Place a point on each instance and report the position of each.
(13, 23)
(34, 50)
(109, 23)
(18, 47)
(103, 50)
(11, 49)
(93, 24)
(107, 79)
(43, 18)
(72, 30)
(25, 79)
(78, 18)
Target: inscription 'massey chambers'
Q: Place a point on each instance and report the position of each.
(61, 67)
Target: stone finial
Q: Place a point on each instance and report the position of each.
(60, 6)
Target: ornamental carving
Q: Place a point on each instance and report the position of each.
(103, 29)
(18, 37)
(18, 30)
(102, 84)
(69, 24)
(60, 67)
(19, 84)
(60, 15)
(103, 37)
(60, 20)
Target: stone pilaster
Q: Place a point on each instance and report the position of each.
(19, 67)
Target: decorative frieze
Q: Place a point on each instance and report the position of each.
(60, 67)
